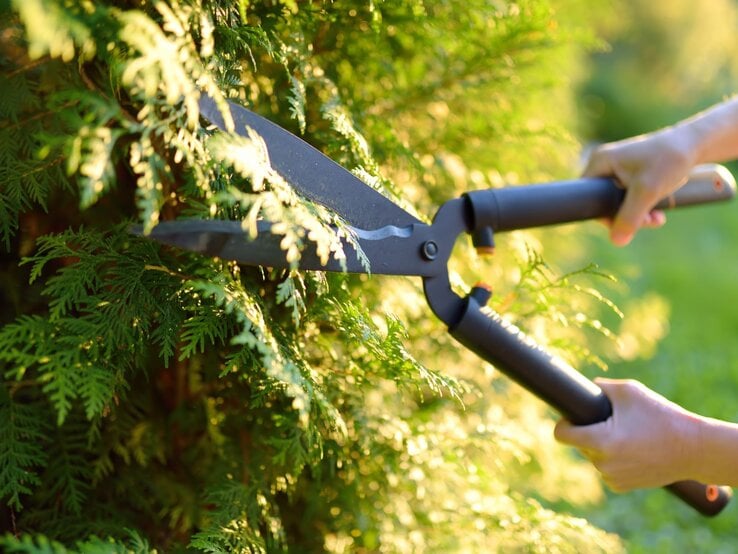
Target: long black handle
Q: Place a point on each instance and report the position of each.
(558, 384)
(527, 206)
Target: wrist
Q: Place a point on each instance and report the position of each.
(711, 136)
(685, 143)
(714, 452)
(690, 432)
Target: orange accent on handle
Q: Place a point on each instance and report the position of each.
(712, 493)
(483, 285)
(485, 250)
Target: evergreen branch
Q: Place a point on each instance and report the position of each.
(41, 167)
(23, 436)
(29, 544)
(40, 544)
(10, 125)
(54, 31)
(28, 66)
(68, 478)
(297, 102)
(291, 296)
(233, 526)
(209, 328)
(386, 350)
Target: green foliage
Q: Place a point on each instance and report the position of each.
(23, 433)
(135, 544)
(219, 408)
(664, 62)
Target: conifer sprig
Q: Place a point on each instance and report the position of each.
(23, 434)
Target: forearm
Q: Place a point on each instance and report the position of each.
(716, 452)
(712, 135)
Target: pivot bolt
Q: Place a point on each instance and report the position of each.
(430, 250)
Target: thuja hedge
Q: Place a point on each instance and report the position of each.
(157, 399)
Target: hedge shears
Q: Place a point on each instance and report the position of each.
(398, 243)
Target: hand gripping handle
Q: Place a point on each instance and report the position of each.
(527, 206)
(551, 379)
(558, 384)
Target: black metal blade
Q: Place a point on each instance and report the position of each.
(313, 174)
(392, 250)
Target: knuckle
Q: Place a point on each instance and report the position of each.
(629, 387)
(631, 384)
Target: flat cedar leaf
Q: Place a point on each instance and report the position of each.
(292, 297)
(205, 329)
(70, 476)
(165, 335)
(40, 544)
(64, 30)
(61, 377)
(296, 99)
(231, 527)
(23, 436)
(31, 544)
(97, 387)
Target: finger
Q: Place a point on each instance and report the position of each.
(627, 221)
(634, 210)
(654, 219)
(585, 437)
(606, 221)
(594, 456)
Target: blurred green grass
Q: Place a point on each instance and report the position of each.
(692, 263)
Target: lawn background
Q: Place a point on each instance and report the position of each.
(666, 62)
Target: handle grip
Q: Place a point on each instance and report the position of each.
(537, 205)
(558, 384)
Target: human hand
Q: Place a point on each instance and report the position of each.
(647, 442)
(650, 167)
